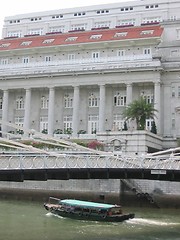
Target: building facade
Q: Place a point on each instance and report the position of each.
(76, 70)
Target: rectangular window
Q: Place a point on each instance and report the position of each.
(48, 58)
(93, 124)
(118, 122)
(77, 27)
(67, 124)
(121, 53)
(57, 29)
(173, 91)
(173, 123)
(149, 123)
(173, 18)
(1, 103)
(102, 24)
(57, 16)
(126, 22)
(71, 56)
(14, 34)
(19, 121)
(43, 123)
(38, 31)
(178, 33)
(4, 61)
(178, 91)
(25, 60)
(95, 55)
(152, 19)
(147, 51)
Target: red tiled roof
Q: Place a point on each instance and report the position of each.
(82, 37)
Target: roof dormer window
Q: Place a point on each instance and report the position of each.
(120, 34)
(26, 43)
(4, 45)
(46, 41)
(71, 39)
(96, 36)
(147, 32)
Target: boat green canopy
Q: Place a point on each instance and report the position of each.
(85, 204)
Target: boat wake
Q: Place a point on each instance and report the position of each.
(143, 221)
(49, 214)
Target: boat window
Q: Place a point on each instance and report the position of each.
(116, 211)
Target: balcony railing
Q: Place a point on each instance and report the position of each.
(85, 64)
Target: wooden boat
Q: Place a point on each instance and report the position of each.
(83, 210)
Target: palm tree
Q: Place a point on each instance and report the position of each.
(139, 110)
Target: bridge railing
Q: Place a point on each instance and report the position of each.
(86, 161)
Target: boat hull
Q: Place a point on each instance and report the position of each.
(91, 217)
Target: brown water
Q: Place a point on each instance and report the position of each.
(21, 220)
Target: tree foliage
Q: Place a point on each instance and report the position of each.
(139, 110)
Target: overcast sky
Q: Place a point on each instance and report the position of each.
(14, 7)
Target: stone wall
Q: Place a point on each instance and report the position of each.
(94, 185)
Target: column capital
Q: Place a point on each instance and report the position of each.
(158, 82)
(51, 88)
(102, 85)
(28, 89)
(76, 86)
(5, 89)
(129, 84)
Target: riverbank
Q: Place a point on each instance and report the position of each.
(127, 198)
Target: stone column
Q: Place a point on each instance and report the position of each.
(5, 109)
(157, 105)
(75, 123)
(51, 111)
(128, 93)
(102, 102)
(27, 114)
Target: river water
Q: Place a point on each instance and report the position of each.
(21, 220)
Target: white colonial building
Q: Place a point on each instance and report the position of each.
(79, 68)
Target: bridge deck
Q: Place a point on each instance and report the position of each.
(20, 167)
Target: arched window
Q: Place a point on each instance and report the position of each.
(119, 99)
(20, 103)
(93, 100)
(68, 101)
(44, 102)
